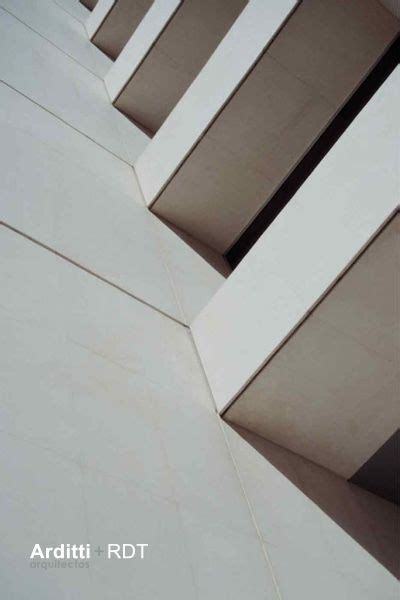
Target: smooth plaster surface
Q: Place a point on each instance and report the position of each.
(91, 449)
(331, 218)
(73, 8)
(70, 194)
(310, 69)
(332, 391)
(63, 29)
(33, 66)
(174, 60)
(96, 410)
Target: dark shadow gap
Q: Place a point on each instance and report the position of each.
(380, 474)
(89, 4)
(319, 149)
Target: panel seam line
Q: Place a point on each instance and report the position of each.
(50, 41)
(90, 272)
(17, 91)
(67, 12)
(248, 503)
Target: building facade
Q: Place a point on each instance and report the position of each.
(199, 299)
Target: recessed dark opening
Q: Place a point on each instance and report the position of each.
(381, 473)
(90, 4)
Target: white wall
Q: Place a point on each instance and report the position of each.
(92, 449)
(108, 430)
(329, 221)
(92, 380)
(61, 22)
(74, 195)
(68, 193)
(32, 65)
(73, 8)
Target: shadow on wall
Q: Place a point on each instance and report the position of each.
(374, 523)
(90, 4)
(213, 258)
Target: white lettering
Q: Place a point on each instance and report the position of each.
(126, 546)
(59, 551)
(116, 551)
(37, 551)
(141, 546)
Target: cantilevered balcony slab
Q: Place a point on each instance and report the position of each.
(112, 23)
(174, 42)
(331, 393)
(301, 343)
(267, 93)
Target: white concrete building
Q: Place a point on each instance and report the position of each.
(200, 329)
